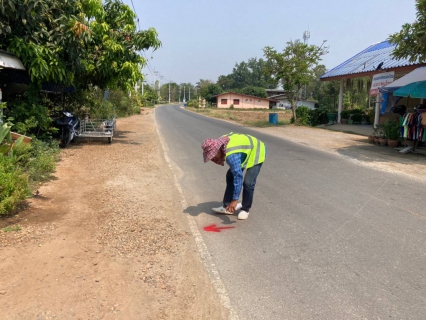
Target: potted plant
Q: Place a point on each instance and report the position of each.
(383, 140)
(331, 117)
(392, 133)
(376, 135)
(344, 116)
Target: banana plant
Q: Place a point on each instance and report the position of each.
(6, 143)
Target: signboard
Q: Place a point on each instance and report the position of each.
(380, 80)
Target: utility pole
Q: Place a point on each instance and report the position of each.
(143, 81)
(159, 85)
(155, 83)
(179, 94)
(189, 98)
(184, 97)
(169, 91)
(306, 36)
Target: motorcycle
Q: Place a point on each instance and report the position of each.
(68, 125)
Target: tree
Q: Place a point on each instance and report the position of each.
(328, 95)
(200, 85)
(411, 40)
(294, 67)
(254, 91)
(186, 89)
(149, 94)
(313, 89)
(48, 36)
(247, 74)
(174, 91)
(203, 83)
(80, 43)
(209, 91)
(226, 82)
(113, 59)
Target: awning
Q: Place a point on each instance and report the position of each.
(9, 61)
(18, 79)
(416, 75)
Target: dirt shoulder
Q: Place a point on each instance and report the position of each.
(354, 148)
(106, 239)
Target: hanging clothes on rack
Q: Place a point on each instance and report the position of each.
(413, 126)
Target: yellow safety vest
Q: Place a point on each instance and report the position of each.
(251, 146)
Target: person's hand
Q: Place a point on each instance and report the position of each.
(232, 206)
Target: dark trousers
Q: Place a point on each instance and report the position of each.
(248, 187)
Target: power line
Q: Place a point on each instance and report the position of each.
(150, 68)
(137, 18)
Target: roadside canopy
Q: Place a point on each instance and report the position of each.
(415, 90)
(9, 61)
(416, 75)
(15, 79)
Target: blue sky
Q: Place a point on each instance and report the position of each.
(203, 39)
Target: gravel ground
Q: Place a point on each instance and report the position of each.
(105, 239)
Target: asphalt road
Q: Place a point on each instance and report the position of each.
(325, 239)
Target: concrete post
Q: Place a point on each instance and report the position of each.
(377, 114)
(339, 111)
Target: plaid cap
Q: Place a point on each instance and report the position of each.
(212, 146)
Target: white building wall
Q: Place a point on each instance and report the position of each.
(284, 103)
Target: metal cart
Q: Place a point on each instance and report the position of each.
(97, 128)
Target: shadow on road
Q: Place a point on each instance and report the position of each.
(206, 208)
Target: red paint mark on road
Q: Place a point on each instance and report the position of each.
(213, 228)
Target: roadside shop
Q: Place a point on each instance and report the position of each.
(376, 62)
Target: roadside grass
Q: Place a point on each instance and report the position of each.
(249, 117)
(202, 110)
(265, 123)
(209, 110)
(20, 174)
(12, 229)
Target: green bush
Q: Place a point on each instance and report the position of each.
(319, 116)
(13, 185)
(121, 105)
(30, 164)
(303, 115)
(193, 103)
(391, 130)
(357, 117)
(231, 106)
(370, 114)
(31, 116)
(345, 114)
(356, 111)
(37, 159)
(102, 110)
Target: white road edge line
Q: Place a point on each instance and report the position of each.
(201, 245)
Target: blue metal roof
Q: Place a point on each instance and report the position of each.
(368, 60)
